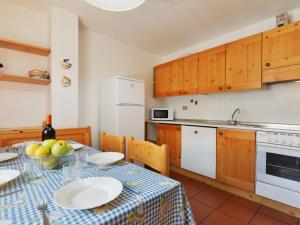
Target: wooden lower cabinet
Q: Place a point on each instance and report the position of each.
(13, 136)
(170, 135)
(236, 151)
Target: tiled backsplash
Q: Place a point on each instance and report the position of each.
(278, 103)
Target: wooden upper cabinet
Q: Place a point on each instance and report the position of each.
(236, 158)
(190, 74)
(243, 63)
(281, 53)
(211, 76)
(162, 79)
(171, 135)
(176, 77)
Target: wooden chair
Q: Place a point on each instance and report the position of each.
(152, 155)
(112, 143)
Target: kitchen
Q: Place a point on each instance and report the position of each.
(255, 149)
(221, 97)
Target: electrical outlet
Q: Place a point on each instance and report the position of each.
(184, 107)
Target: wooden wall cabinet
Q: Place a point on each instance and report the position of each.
(171, 135)
(10, 137)
(176, 77)
(236, 152)
(243, 63)
(162, 79)
(211, 75)
(190, 74)
(281, 53)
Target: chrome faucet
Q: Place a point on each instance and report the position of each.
(233, 121)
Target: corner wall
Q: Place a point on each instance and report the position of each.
(101, 58)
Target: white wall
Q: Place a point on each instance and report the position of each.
(64, 45)
(278, 103)
(101, 58)
(22, 105)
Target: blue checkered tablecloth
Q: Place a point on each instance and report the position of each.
(148, 199)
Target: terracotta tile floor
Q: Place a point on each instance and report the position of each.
(212, 206)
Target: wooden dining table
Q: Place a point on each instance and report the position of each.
(147, 197)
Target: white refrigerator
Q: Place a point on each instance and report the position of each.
(123, 107)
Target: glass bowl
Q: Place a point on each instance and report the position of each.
(52, 162)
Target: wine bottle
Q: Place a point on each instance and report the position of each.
(48, 132)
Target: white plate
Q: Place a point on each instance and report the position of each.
(76, 146)
(88, 193)
(27, 143)
(8, 175)
(105, 158)
(7, 156)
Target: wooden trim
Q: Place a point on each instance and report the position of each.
(23, 79)
(23, 47)
(12, 136)
(242, 193)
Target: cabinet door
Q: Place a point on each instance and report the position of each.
(177, 77)
(281, 46)
(281, 54)
(243, 63)
(171, 136)
(211, 76)
(236, 158)
(190, 74)
(162, 80)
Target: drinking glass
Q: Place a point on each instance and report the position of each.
(71, 172)
(82, 157)
(32, 170)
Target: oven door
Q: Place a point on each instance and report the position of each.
(278, 166)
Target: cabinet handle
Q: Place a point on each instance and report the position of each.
(220, 133)
(220, 88)
(195, 132)
(228, 87)
(268, 64)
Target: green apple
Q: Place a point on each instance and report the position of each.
(60, 149)
(69, 147)
(42, 152)
(50, 163)
(49, 143)
(30, 149)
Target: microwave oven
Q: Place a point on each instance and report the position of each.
(162, 114)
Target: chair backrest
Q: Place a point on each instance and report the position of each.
(155, 156)
(112, 143)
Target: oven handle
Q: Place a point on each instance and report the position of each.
(278, 150)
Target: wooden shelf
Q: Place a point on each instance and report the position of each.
(23, 47)
(23, 79)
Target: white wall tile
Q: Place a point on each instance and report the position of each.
(278, 103)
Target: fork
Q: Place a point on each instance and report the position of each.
(41, 205)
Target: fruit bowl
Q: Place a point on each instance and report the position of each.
(52, 162)
(50, 154)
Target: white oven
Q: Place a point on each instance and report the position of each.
(162, 114)
(278, 167)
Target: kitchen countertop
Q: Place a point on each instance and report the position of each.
(241, 125)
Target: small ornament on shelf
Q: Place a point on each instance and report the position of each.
(65, 64)
(282, 19)
(39, 73)
(65, 81)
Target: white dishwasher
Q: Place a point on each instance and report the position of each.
(199, 150)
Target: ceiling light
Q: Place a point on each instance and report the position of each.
(116, 5)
